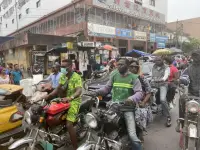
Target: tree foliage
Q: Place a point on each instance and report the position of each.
(191, 45)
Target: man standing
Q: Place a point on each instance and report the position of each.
(71, 83)
(55, 76)
(160, 74)
(16, 75)
(126, 88)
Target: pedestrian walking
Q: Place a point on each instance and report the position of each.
(16, 75)
(4, 78)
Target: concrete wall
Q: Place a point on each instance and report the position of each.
(160, 6)
(19, 56)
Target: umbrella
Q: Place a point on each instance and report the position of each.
(176, 50)
(163, 52)
(108, 47)
(136, 53)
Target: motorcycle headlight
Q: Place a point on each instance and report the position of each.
(193, 106)
(27, 117)
(91, 120)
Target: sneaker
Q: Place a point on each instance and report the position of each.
(168, 122)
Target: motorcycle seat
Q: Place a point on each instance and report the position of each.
(126, 108)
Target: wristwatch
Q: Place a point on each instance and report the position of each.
(72, 97)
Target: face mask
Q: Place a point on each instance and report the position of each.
(63, 70)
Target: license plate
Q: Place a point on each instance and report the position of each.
(192, 131)
(100, 98)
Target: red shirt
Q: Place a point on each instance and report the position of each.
(173, 70)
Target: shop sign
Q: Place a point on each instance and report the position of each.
(126, 33)
(70, 45)
(161, 39)
(140, 36)
(88, 44)
(161, 45)
(152, 37)
(100, 30)
(131, 8)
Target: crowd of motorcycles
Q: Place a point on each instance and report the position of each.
(100, 123)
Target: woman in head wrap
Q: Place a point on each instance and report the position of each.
(134, 68)
(4, 78)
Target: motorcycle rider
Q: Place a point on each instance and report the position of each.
(71, 83)
(126, 88)
(160, 74)
(190, 76)
(134, 67)
(146, 87)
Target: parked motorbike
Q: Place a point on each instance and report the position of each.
(110, 127)
(47, 124)
(97, 77)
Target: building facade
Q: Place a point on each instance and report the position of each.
(126, 24)
(15, 14)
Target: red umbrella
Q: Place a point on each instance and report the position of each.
(108, 47)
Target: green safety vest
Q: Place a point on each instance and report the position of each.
(122, 86)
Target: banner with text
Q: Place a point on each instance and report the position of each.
(100, 30)
(131, 8)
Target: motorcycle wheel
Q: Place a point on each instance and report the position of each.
(26, 147)
(126, 143)
(191, 144)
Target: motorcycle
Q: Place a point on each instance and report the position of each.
(97, 77)
(189, 134)
(110, 128)
(47, 125)
(189, 125)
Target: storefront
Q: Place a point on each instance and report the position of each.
(140, 39)
(60, 52)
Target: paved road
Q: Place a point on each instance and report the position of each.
(161, 138)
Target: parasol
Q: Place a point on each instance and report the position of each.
(163, 52)
(108, 47)
(136, 53)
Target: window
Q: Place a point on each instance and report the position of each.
(27, 11)
(13, 21)
(38, 4)
(6, 26)
(20, 16)
(152, 2)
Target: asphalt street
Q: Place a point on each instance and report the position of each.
(160, 137)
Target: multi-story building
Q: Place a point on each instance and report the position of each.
(15, 14)
(126, 24)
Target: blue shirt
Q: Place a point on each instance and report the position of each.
(54, 78)
(17, 76)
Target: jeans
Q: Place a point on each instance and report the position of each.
(131, 128)
(163, 100)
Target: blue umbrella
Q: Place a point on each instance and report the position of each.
(136, 53)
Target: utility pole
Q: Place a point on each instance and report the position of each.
(179, 33)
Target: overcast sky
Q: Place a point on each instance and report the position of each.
(183, 9)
